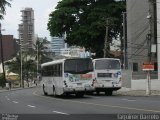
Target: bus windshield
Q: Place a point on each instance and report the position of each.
(107, 64)
(78, 66)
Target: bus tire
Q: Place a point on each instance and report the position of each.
(44, 92)
(109, 92)
(54, 91)
(79, 94)
(97, 92)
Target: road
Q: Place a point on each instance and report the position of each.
(32, 101)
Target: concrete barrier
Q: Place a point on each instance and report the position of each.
(141, 84)
(126, 78)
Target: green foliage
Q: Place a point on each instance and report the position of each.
(14, 65)
(43, 56)
(3, 4)
(84, 22)
(2, 82)
(29, 60)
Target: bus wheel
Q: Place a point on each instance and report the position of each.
(79, 94)
(109, 92)
(97, 92)
(45, 93)
(54, 91)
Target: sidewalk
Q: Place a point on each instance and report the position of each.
(138, 87)
(130, 92)
(15, 88)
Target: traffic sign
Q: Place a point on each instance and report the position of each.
(148, 66)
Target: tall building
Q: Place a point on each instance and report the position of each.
(141, 28)
(158, 37)
(26, 28)
(9, 48)
(57, 43)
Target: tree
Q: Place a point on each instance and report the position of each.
(43, 54)
(29, 65)
(3, 4)
(84, 21)
(14, 64)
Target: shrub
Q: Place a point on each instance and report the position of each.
(2, 81)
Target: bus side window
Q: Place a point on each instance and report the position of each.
(44, 71)
(60, 70)
(54, 70)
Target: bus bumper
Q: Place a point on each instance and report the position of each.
(78, 89)
(107, 88)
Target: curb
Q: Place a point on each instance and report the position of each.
(138, 93)
(4, 90)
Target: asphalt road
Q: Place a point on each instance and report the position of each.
(32, 103)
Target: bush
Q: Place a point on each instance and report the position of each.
(2, 81)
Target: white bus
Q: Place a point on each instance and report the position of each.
(107, 72)
(67, 76)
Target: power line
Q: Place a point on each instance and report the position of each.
(143, 43)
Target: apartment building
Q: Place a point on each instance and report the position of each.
(26, 28)
(10, 47)
(57, 43)
(141, 28)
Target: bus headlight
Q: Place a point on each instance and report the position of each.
(65, 83)
(120, 80)
(115, 75)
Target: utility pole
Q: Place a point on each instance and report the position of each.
(124, 41)
(37, 62)
(2, 59)
(149, 41)
(106, 46)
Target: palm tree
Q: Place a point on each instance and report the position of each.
(42, 55)
(14, 64)
(3, 4)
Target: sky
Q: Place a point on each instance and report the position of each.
(42, 9)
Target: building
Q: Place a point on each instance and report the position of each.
(26, 28)
(57, 43)
(158, 38)
(141, 29)
(65, 51)
(10, 47)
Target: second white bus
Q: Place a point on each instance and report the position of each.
(67, 76)
(108, 75)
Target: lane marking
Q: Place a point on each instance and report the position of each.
(129, 100)
(15, 102)
(87, 103)
(8, 99)
(60, 112)
(31, 106)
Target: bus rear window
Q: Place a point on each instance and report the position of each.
(78, 66)
(107, 64)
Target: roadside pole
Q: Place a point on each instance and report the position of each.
(149, 38)
(2, 57)
(148, 67)
(106, 39)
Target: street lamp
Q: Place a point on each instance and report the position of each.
(2, 59)
(22, 81)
